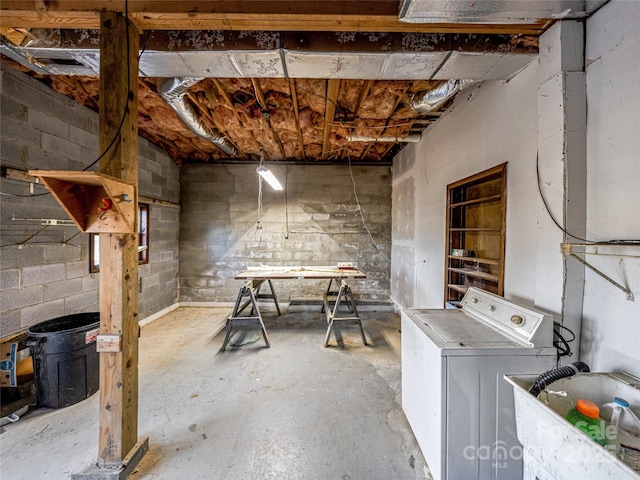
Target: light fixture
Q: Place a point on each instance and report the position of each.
(265, 173)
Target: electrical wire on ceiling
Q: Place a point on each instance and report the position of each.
(298, 87)
(259, 223)
(382, 127)
(286, 202)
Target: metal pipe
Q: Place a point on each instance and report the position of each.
(173, 90)
(434, 99)
(412, 138)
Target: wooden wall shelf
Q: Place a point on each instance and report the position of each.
(476, 221)
(81, 195)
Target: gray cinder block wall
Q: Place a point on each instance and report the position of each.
(314, 221)
(49, 275)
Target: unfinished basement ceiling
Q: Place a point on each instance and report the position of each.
(217, 84)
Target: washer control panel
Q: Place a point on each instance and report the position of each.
(526, 325)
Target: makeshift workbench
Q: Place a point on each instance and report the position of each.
(338, 294)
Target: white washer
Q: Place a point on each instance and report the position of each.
(454, 395)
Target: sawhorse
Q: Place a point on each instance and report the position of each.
(248, 296)
(333, 299)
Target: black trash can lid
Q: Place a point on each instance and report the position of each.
(68, 323)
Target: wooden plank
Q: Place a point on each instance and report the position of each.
(11, 18)
(475, 273)
(263, 106)
(227, 100)
(308, 7)
(290, 15)
(333, 89)
(71, 198)
(296, 112)
(363, 95)
(488, 261)
(14, 35)
(119, 43)
(155, 201)
(80, 177)
(393, 144)
(289, 273)
(82, 195)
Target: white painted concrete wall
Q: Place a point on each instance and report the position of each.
(489, 125)
(498, 122)
(611, 324)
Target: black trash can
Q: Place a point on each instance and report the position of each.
(65, 360)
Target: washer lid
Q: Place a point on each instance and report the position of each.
(457, 330)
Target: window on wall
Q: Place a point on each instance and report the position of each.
(143, 241)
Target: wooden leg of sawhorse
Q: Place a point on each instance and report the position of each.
(254, 318)
(343, 293)
(272, 293)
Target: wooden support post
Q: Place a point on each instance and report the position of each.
(119, 41)
(119, 450)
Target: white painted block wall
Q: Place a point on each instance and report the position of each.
(611, 324)
(488, 125)
(498, 122)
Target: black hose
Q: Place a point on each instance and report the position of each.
(547, 378)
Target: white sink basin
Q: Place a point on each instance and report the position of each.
(553, 448)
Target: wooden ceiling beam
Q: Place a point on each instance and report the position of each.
(302, 15)
(285, 23)
(318, 23)
(296, 112)
(399, 97)
(263, 106)
(333, 89)
(363, 96)
(227, 100)
(370, 7)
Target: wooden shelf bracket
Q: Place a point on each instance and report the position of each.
(84, 194)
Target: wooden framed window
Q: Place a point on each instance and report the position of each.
(143, 241)
(476, 231)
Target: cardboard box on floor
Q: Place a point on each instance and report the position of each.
(15, 360)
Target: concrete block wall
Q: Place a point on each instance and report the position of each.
(49, 276)
(314, 221)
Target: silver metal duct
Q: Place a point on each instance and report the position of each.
(173, 91)
(495, 11)
(245, 54)
(434, 99)
(412, 138)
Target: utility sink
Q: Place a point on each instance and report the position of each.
(553, 448)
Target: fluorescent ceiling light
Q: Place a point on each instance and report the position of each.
(265, 173)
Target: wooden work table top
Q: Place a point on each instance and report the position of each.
(292, 272)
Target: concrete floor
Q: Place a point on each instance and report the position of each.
(296, 410)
